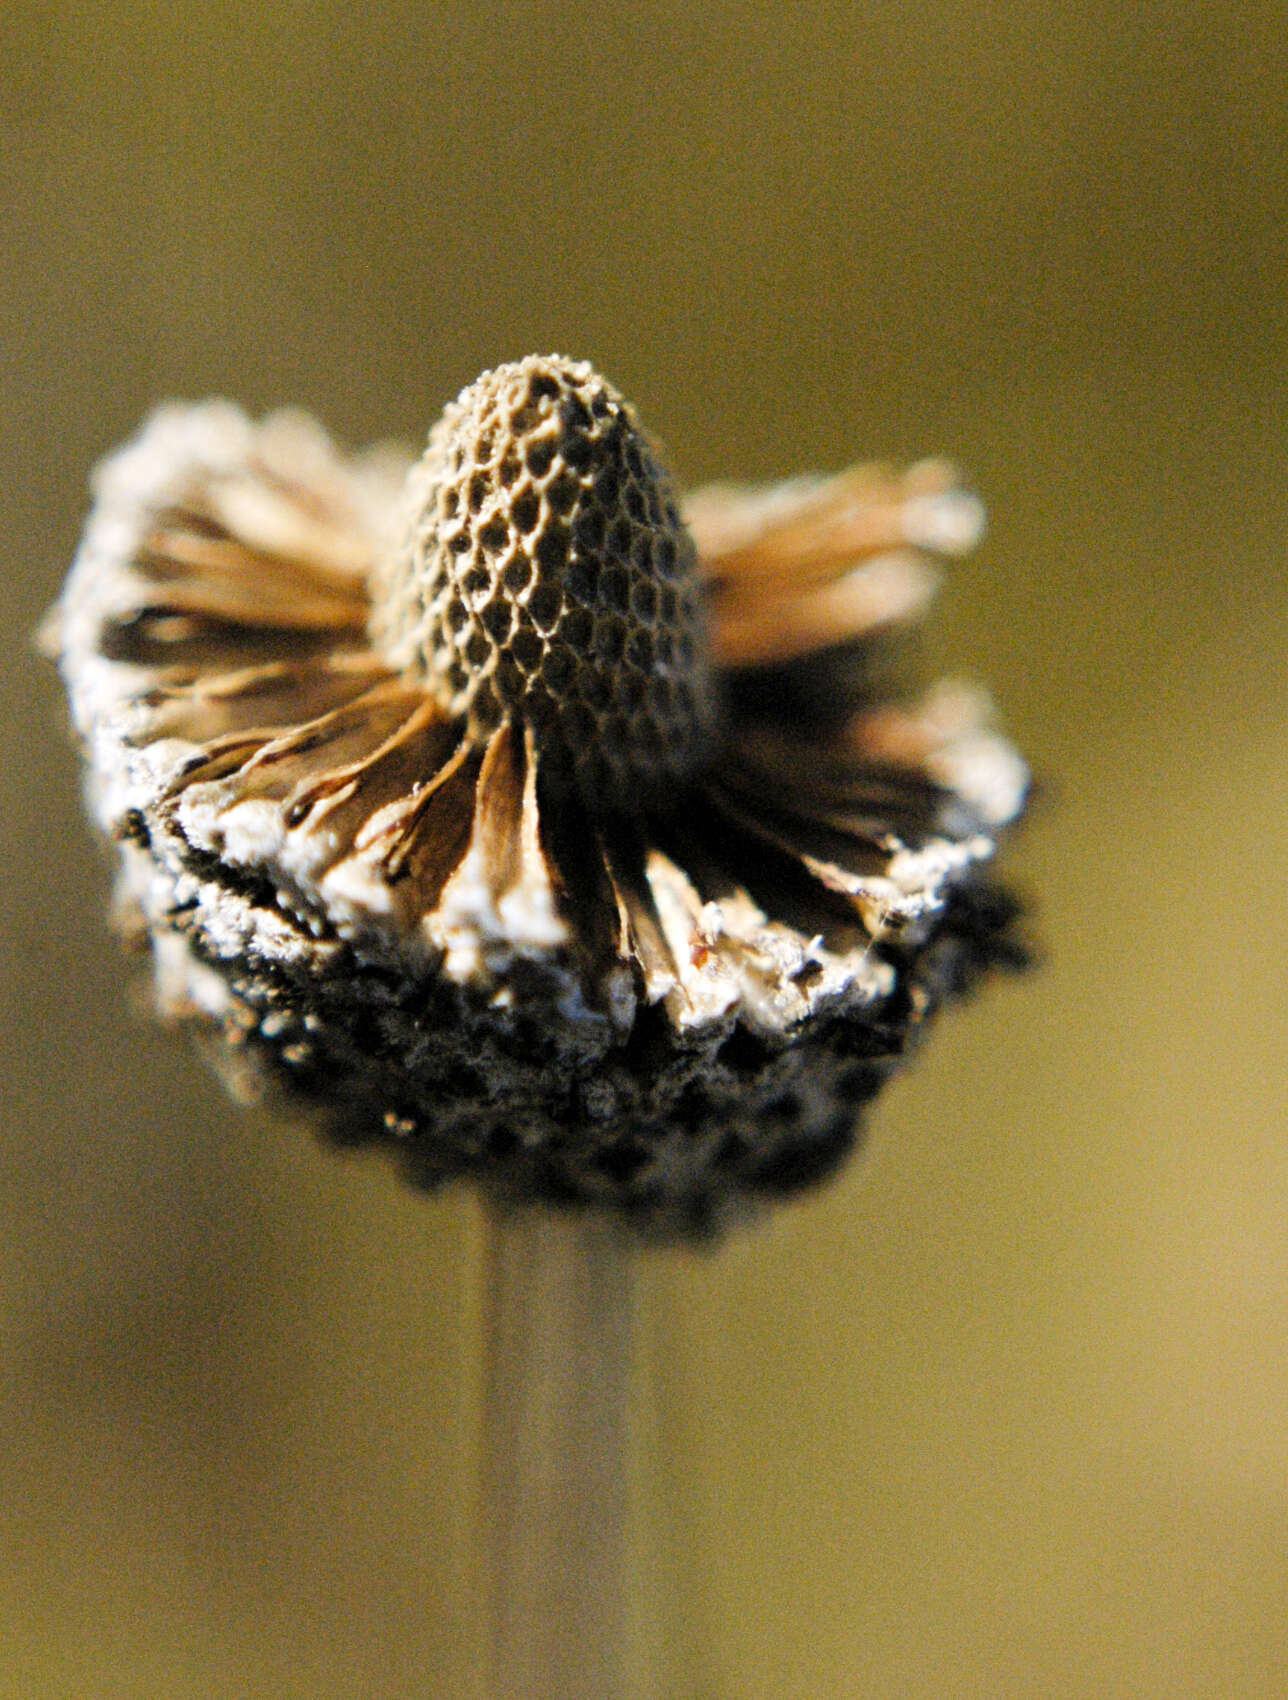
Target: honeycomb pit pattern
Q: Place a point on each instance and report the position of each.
(545, 576)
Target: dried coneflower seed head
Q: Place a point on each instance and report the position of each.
(545, 577)
(444, 840)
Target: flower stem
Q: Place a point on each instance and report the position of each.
(555, 1455)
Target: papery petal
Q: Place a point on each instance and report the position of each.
(814, 562)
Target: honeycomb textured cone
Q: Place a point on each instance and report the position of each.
(545, 576)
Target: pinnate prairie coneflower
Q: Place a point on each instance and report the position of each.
(513, 812)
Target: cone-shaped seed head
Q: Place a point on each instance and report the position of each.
(545, 576)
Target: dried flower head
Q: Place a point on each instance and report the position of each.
(503, 811)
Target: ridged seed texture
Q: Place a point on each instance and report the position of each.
(545, 577)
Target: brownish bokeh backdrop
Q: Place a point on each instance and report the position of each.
(1003, 1413)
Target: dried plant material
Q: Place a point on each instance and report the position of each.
(498, 813)
(816, 562)
(546, 576)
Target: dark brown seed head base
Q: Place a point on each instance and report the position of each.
(546, 576)
(683, 1140)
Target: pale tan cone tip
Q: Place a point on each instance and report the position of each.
(545, 576)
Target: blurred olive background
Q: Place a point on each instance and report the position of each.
(1003, 1412)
